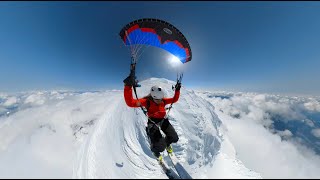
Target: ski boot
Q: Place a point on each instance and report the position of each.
(169, 149)
(158, 156)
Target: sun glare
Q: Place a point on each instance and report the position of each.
(174, 61)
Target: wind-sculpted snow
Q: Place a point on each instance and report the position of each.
(95, 135)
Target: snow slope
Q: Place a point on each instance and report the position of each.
(95, 135)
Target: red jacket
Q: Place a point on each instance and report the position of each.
(155, 110)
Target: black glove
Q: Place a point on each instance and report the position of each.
(178, 86)
(130, 80)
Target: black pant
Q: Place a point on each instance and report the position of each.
(158, 143)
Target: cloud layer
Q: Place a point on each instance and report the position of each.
(274, 135)
(40, 132)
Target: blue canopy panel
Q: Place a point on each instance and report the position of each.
(138, 36)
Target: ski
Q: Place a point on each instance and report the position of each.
(179, 168)
(165, 168)
(168, 171)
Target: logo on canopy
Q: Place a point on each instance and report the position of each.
(168, 31)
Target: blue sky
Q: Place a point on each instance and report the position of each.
(247, 46)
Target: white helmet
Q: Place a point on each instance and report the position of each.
(157, 92)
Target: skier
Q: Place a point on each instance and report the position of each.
(155, 104)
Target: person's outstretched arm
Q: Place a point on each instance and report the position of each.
(129, 98)
(174, 99)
